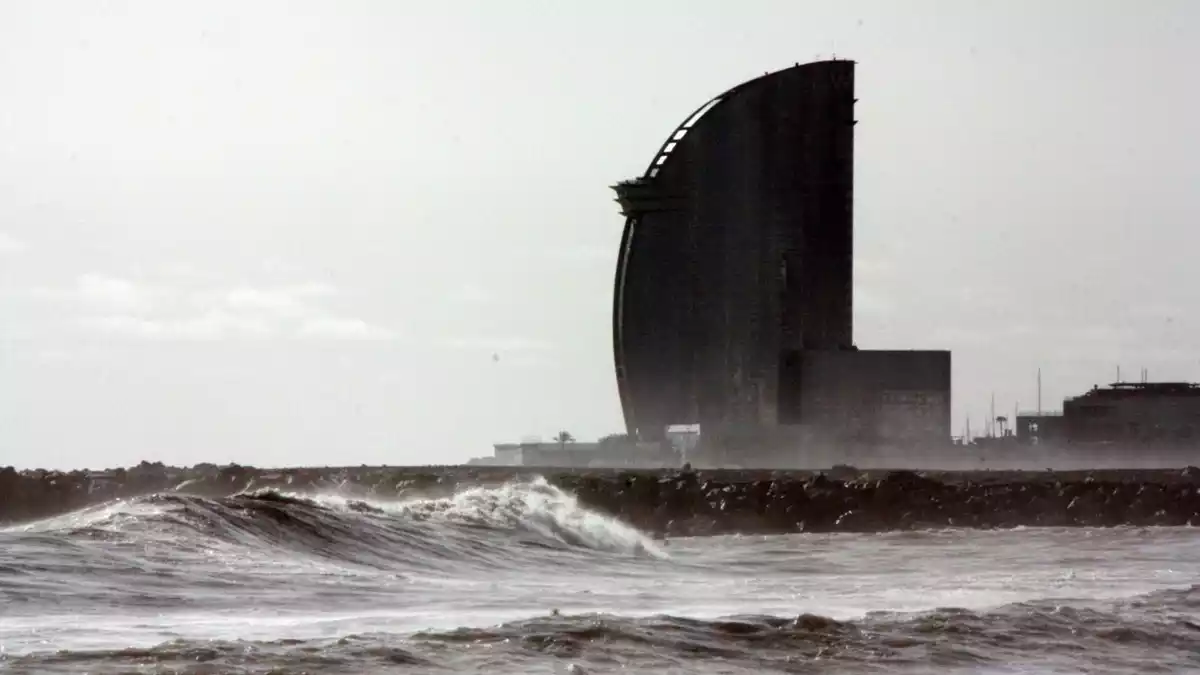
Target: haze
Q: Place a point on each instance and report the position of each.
(381, 232)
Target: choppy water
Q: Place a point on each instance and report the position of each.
(520, 579)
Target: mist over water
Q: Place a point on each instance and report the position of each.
(520, 578)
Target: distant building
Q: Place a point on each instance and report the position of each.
(733, 294)
(1122, 413)
(539, 453)
(1037, 428)
(581, 455)
(508, 454)
(1135, 413)
(685, 438)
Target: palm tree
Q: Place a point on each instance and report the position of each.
(563, 438)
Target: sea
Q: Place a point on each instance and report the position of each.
(522, 579)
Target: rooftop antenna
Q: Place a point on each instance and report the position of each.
(1118, 374)
(992, 418)
(1039, 382)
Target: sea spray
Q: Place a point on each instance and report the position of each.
(484, 525)
(537, 506)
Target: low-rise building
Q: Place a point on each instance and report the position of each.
(610, 452)
(1135, 412)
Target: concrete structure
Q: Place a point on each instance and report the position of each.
(1126, 414)
(733, 297)
(605, 453)
(875, 398)
(684, 438)
(1125, 425)
(545, 453)
(1036, 428)
(1138, 413)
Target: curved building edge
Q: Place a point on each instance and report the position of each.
(627, 196)
(631, 222)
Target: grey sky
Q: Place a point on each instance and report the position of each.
(296, 232)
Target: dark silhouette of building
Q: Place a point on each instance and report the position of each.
(1135, 413)
(733, 301)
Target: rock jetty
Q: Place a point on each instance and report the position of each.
(683, 503)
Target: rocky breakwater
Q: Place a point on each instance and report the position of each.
(680, 503)
(726, 502)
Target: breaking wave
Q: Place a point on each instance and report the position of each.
(480, 526)
(520, 578)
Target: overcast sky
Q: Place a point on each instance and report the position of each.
(297, 232)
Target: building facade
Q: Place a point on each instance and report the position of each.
(1135, 413)
(580, 455)
(733, 296)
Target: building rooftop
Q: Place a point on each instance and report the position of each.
(1143, 389)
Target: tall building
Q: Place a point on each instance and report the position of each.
(733, 298)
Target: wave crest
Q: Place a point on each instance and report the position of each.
(536, 507)
(486, 525)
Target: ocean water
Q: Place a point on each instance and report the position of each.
(521, 579)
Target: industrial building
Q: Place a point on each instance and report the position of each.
(1129, 414)
(1039, 427)
(733, 297)
(1135, 413)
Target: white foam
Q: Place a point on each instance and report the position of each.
(114, 515)
(535, 505)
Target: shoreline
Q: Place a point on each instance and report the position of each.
(672, 502)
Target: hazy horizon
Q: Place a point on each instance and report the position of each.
(381, 232)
